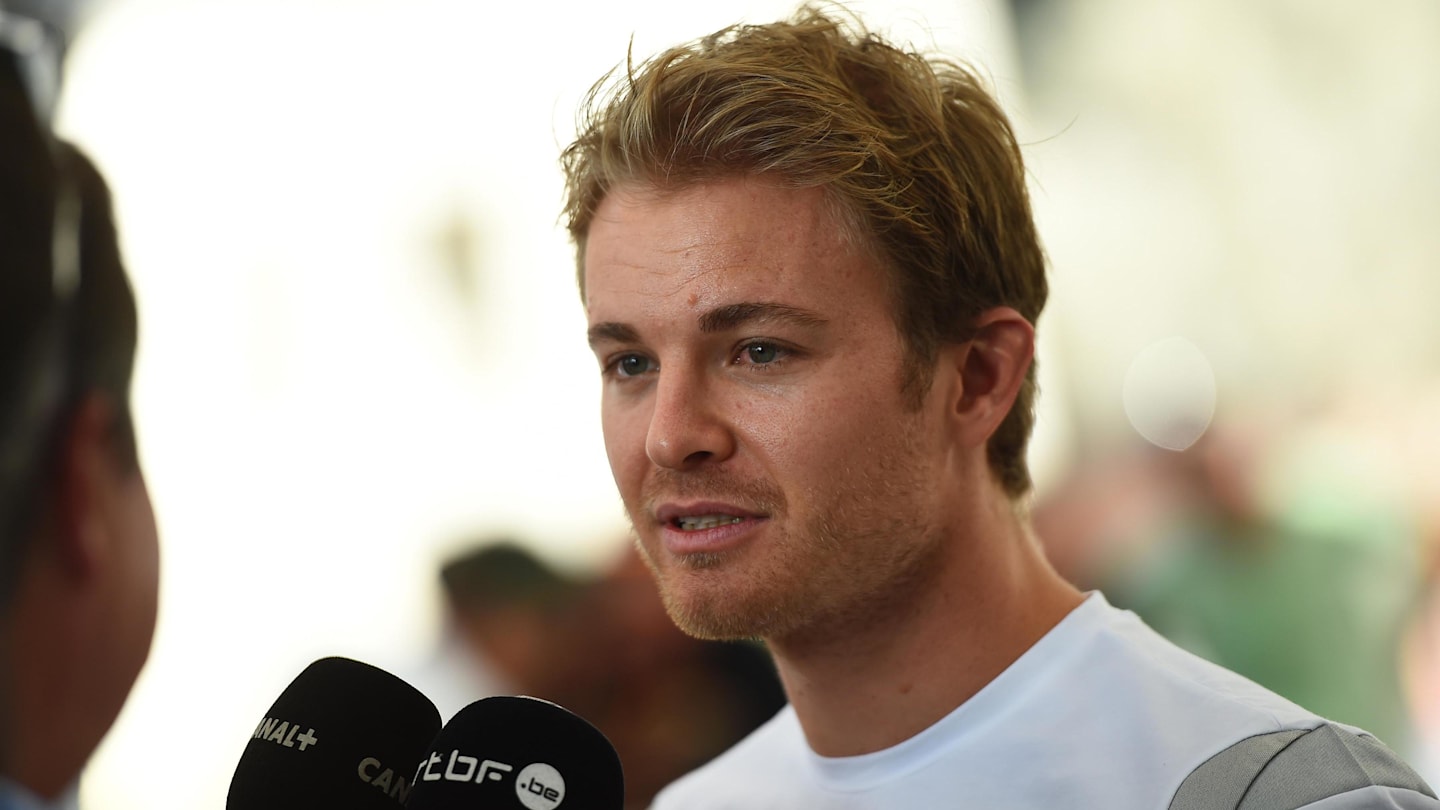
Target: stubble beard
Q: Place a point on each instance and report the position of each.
(861, 556)
(696, 588)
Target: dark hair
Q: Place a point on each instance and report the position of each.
(68, 324)
(915, 154)
(498, 573)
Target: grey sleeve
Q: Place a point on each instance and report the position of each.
(1325, 768)
(1376, 798)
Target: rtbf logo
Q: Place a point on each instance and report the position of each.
(540, 787)
(461, 769)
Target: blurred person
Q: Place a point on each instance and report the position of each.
(78, 549)
(811, 278)
(1307, 592)
(1099, 513)
(512, 616)
(1421, 659)
(458, 671)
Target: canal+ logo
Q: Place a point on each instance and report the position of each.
(283, 733)
(538, 786)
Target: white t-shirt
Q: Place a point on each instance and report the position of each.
(1100, 713)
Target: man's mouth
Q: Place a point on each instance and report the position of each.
(698, 522)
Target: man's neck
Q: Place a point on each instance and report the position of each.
(884, 681)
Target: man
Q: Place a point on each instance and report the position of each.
(78, 550)
(811, 278)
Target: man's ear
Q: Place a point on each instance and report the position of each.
(992, 366)
(87, 477)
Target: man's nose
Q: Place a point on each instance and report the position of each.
(688, 426)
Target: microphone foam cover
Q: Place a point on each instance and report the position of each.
(343, 734)
(518, 753)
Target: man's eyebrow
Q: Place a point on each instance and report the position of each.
(612, 332)
(722, 319)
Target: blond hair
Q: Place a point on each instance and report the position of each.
(916, 155)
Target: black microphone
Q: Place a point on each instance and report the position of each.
(518, 753)
(343, 734)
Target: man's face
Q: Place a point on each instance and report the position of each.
(777, 479)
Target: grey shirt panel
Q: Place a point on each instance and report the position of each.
(1286, 770)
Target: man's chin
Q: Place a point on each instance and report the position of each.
(712, 627)
(720, 616)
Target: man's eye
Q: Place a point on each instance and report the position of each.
(761, 354)
(632, 365)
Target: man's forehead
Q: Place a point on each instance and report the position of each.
(740, 211)
(710, 244)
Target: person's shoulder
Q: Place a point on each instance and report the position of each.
(1247, 747)
(1131, 663)
(752, 770)
(1329, 767)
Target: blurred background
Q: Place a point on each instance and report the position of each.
(362, 358)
